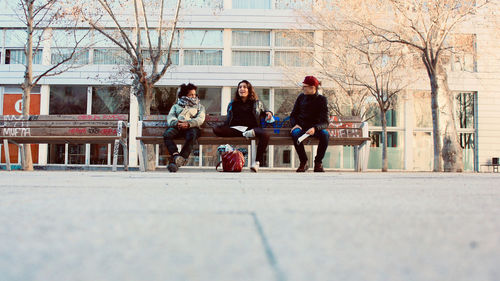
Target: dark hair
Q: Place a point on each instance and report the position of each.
(251, 92)
(184, 89)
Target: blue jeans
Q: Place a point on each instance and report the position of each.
(321, 135)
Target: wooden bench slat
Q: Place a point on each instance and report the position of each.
(60, 131)
(69, 117)
(59, 140)
(56, 124)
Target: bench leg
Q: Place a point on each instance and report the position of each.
(115, 154)
(357, 158)
(363, 153)
(253, 149)
(125, 155)
(141, 149)
(7, 154)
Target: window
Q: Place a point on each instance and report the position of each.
(110, 56)
(163, 99)
(106, 52)
(68, 100)
(465, 110)
(465, 104)
(78, 56)
(15, 41)
(63, 46)
(395, 151)
(202, 47)
(199, 4)
(293, 4)
(251, 48)
(210, 98)
(254, 4)
(18, 56)
(464, 53)
(293, 59)
(110, 100)
(284, 99)
(293, 49)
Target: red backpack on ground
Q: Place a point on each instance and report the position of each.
(232, 161)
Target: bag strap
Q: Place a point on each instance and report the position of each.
(216, 167)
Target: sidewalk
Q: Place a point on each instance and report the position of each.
(59, 225)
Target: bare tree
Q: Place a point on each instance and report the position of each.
(383, 78)
(424, 26)
(362, 66)
(37, 16)
(143, 44)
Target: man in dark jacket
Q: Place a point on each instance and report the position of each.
(310, 116)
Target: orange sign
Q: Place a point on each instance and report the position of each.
(13, 105)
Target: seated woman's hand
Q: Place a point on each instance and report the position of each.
(182, 125)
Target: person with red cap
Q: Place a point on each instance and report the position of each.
(310, 116)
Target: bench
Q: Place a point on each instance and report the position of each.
(494, 164)
(343, 131)
(62, 129)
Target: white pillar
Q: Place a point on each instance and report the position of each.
(225, 99)
(44, 110)
(227, 53)
(89, 111)
(133, 119)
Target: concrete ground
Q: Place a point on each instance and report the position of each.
(211, 226)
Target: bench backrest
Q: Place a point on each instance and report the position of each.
(341, 127)
(69, 128)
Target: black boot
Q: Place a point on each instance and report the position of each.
(302, 167)
(318, 167)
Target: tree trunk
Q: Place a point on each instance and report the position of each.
(436, 132)
(385, 161)
(27, 162)
(150, 148)
(451, 152)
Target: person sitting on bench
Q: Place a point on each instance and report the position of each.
(310, 116)
(184, 119)
(243, 119)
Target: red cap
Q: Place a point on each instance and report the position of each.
(311, 81)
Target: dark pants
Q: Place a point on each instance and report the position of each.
(323, 137)
(261, 134)
(190, 135)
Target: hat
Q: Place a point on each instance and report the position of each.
(311, 81)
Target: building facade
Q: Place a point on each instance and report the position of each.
(218, 44)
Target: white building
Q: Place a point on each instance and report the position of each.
(221, 42)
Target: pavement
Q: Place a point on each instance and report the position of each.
(277, 226)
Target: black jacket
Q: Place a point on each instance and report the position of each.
(310, 111)
(259, 110)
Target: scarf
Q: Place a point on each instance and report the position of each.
(188, 102)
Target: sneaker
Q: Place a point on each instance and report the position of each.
(172, 167)
(302, 167)
(318, 167)
(255, 167)
(249, 134)
(179, 161)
